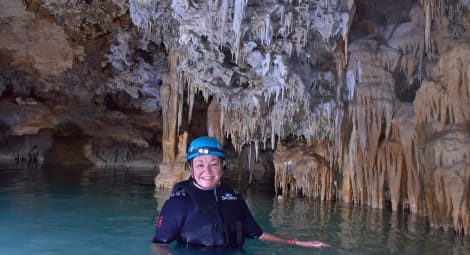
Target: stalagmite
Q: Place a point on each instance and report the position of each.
(172, 167)
(167, 141)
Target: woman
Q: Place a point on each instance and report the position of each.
(203, 211)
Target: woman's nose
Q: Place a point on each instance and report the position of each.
(205, 167)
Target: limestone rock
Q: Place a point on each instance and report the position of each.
(443, 111)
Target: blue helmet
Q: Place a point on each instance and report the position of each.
(205, 145)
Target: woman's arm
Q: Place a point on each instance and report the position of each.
(275, 238)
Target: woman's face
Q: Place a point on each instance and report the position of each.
(207, 171)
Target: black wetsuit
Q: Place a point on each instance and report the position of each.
(218, 217)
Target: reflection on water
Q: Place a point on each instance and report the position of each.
(356, 230)
(110, 211)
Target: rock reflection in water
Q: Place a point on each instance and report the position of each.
(354, 229)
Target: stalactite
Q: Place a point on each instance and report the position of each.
(273, 137)
(350, 83)
(180, 102)
(238, 13)
(191, 95)
(223, 20)
(427, 30)
(256, 150)
(250, 166)
(394, 164)
(214, 127)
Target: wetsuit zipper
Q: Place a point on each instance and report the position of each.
(219, 211)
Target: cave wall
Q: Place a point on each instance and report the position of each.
(74, 91)
(364, 102)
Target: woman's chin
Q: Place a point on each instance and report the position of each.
(207, 184)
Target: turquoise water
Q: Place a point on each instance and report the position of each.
(67, 211)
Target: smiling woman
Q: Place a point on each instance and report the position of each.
(204, 211)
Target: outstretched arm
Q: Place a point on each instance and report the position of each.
(275, 238)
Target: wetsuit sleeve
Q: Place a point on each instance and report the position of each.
(170, 221)
(253, 230)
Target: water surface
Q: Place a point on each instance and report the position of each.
(110, 211)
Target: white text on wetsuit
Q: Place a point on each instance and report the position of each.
(228, 196)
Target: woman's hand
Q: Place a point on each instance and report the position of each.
(313, 244)
(161, 249)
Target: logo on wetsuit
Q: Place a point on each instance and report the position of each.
(228, 196)
(160, 222)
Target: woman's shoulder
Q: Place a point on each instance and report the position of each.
(180, 189)
(178, 198)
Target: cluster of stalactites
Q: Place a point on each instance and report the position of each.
(380, 165)
(153, 19)
(260, 115)
(442, 109)
(374, 158)
(383, 162)
(263, 113)
(305, 169)
(276, 102)
(371, 123)
(437, 11)
(447, 105)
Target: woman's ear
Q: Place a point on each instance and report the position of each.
(188, 167)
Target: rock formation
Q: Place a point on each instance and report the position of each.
(359, 101)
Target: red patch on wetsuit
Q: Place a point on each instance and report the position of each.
(160, 221)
